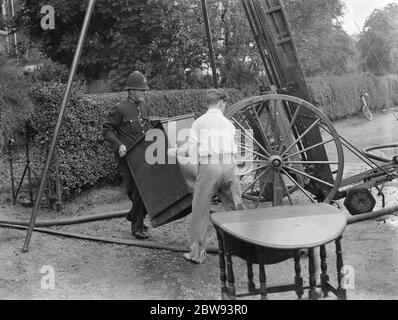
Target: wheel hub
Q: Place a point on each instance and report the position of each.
(276, 162)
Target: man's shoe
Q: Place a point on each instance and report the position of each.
(140, 234)
(202, 258)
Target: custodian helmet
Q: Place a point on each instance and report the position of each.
(136, 81)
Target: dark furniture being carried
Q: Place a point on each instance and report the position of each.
(272, 235)
(162, 186)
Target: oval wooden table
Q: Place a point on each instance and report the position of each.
(271, 235)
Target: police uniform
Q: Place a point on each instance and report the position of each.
(125, 125)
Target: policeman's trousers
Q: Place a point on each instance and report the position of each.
(138, 211)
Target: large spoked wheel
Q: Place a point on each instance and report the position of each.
(289, 151)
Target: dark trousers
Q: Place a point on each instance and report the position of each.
(138, 211)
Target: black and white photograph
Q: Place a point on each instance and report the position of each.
(199, 155)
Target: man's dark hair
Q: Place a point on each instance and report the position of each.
(215, 95)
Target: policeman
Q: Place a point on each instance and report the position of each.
(125, 125)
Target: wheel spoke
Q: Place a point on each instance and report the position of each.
(259, 196)
(253, 170)
(250, 122)
(258, 178)
(265, 138)
(308, 149)
(309, 176)
(251, 137)
(275, 199)
(285, 187)
(294, 130)
(311, 162)
(255, 152)
(301, 136)
(298, 185)
(289, 129)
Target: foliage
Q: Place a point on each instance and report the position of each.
(339, 96)
(15, 103)
(49, 71)
(378, 41)
(118, 38)
(177, 53)
(2, 23)
(238, 62)
(83, 157)
(166, 40)
(323, 46)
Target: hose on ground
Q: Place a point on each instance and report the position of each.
(372, 215)
(71, 221)
(22, 225)
(135, 243)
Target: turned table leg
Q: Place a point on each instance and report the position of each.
(341, 292)
(298, 280)
(223, 275)
(230, 277)
(250, 284)
(324, 274)
(311, 266)
(263, 278)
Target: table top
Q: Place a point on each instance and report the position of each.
(284, 227)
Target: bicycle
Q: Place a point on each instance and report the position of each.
(365, 109)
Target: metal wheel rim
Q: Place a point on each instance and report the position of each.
(368, 114)
(233, 110)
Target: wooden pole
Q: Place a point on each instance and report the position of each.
(54, 141)
(210, 44)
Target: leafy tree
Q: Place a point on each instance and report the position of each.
(177, 53)
(167, 39)
(378, 42)
(323, 46)
(180, 56)
(239, 62)
(118, 38)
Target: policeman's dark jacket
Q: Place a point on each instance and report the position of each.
(126, 124)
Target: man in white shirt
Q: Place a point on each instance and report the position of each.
(211, 143)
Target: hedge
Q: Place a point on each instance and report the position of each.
(15, 104)
(165, 103)
(339, 96)
(83, 157)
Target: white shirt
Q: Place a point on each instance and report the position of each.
(212, 135)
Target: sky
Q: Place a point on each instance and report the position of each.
(360, 10)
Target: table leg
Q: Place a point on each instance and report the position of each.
(250, 284)
(223, 275)
(313, 295)
(341, 292)
(263, 278)
(324, 274)
(298, 280)
(230, 276)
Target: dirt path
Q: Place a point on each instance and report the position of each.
(88, 270)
